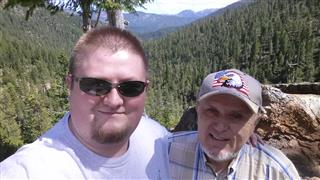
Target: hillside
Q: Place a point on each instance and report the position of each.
(176, 22)
(142, 23)
(33, 61)
(273, 40)
(149, 25)
(276, 41)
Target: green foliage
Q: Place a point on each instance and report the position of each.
(10, 133)
(33, 63)
(276, 41)
(273, 40)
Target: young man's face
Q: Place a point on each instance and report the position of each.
(111, 118)
(225, 123)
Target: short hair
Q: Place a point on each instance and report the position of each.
(110, 38)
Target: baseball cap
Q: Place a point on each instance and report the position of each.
(235, 83)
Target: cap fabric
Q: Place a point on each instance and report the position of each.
(235, 83)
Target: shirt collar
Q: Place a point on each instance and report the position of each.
(231, 167)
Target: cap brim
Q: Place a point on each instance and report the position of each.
(251, 105)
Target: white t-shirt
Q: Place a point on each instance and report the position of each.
(59, 155)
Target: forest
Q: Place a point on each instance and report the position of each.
(276, 41)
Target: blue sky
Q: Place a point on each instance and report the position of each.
(176, 6)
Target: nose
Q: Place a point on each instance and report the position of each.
(113, 99)
(219, 124)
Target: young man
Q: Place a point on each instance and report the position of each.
(229, 106)
(105, 135)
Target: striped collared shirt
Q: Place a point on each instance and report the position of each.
(187, 161)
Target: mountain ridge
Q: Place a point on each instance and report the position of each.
(141, 22)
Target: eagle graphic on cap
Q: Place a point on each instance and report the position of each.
(230, 79)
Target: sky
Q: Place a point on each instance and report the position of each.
(176, 6)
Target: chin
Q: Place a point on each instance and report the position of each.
(111, 133)
(221, 156)
(110, 137)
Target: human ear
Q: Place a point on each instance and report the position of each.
(147, 87)
(69, 82)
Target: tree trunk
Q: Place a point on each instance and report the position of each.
(86, 16)
(86, 21)
(3, 3)
(116, 19)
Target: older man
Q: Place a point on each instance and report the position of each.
(229, 106)
(105, 135)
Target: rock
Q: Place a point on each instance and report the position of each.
(293, 126)
(299, 88)
(187, 121)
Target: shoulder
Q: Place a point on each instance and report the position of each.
(274, 154)
(149, 127)
(58, 130)
(182, 142)
(27, 160)
(39, 160)
(148, 124)
(271, 157)
(31, 160)
(14, 165)
(182, 153)
(184, 137)
(42, 147)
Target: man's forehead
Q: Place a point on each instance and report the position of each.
(123, 53)
(224, 99)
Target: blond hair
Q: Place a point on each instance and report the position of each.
(109, 38)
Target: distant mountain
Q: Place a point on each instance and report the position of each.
(230, 7)
(140, 22)
(187, 13)
(195, 16)
(192, 14)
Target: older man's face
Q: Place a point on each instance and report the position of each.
(225, 123)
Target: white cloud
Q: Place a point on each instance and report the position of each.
(176, 6)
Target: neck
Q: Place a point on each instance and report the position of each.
(106, 149)
(218, 166)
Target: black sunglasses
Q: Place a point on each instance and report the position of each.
(99, 87)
